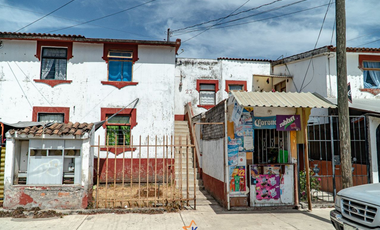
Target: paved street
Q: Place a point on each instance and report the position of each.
(205, 217)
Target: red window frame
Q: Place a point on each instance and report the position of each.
(120, 47)
(52, 44)
(39, 109)
(104, 112)
(369, 58)
(232, 82)
(214, 82)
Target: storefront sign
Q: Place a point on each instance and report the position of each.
(264, 122)
(288, 122)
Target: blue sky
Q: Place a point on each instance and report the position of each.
(263, 29)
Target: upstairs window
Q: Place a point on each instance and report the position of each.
(232, 85)
(207, 94)
(54, 63)
(120, 66)
(235, 87)
(118, 130)
(371, 74)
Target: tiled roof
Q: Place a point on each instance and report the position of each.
(80, 38)
(59, 129)
(358, 49)
(243, 59)
(40, 35)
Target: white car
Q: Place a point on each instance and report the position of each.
(357, 208)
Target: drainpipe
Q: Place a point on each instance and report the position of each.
(226, 156)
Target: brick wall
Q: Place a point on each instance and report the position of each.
(215, 114)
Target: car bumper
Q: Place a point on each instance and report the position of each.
(338, 222)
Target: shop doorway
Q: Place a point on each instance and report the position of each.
(324, 156)
(271, 146)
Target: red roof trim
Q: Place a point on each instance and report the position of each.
(243, 59)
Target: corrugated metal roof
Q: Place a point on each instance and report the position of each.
(283, 99)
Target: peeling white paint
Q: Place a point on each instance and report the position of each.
(188, 71)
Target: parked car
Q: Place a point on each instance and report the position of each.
(357, 208)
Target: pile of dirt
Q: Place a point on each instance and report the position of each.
(33, 212)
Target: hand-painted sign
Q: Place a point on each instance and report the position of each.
(264, 122)
(288, 122)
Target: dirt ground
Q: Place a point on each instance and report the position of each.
(30, 213)
(120, 196)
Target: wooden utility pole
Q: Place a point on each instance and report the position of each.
(344, 119)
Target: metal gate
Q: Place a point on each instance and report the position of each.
(159, 173)
(324, 156)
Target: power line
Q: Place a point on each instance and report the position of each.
(73, 20)
(14, 75)
(259, 20)
(316, 43)
(45, 16)
(109, 15)
(368, 43)
(219, 20)
(230, 15)
(252, 15)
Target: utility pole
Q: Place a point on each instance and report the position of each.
(344, 118)
(168, 35)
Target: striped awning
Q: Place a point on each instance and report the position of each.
(281, 99)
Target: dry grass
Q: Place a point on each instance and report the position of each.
(126, 197)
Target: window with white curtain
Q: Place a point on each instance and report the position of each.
(207, 94)
(51, 117)
(54, 63)
(371, 74)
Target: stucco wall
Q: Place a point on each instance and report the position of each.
(85, 96)
(321, 76)
(354, 77)
(48, 196)
(189, 70)
(315, 75)
(213, 158)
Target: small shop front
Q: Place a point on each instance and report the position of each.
(263, 130)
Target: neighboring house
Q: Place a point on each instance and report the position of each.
(315, 71)
(206, 82)
(70, 78)
(49, 166)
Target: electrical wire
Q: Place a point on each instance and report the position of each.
(230, 15)
(14, 75)
(316, 43)
(73, 20)
(109, 15)
(218, 21)
(252, 15)
(45, 16)
(367, 43)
